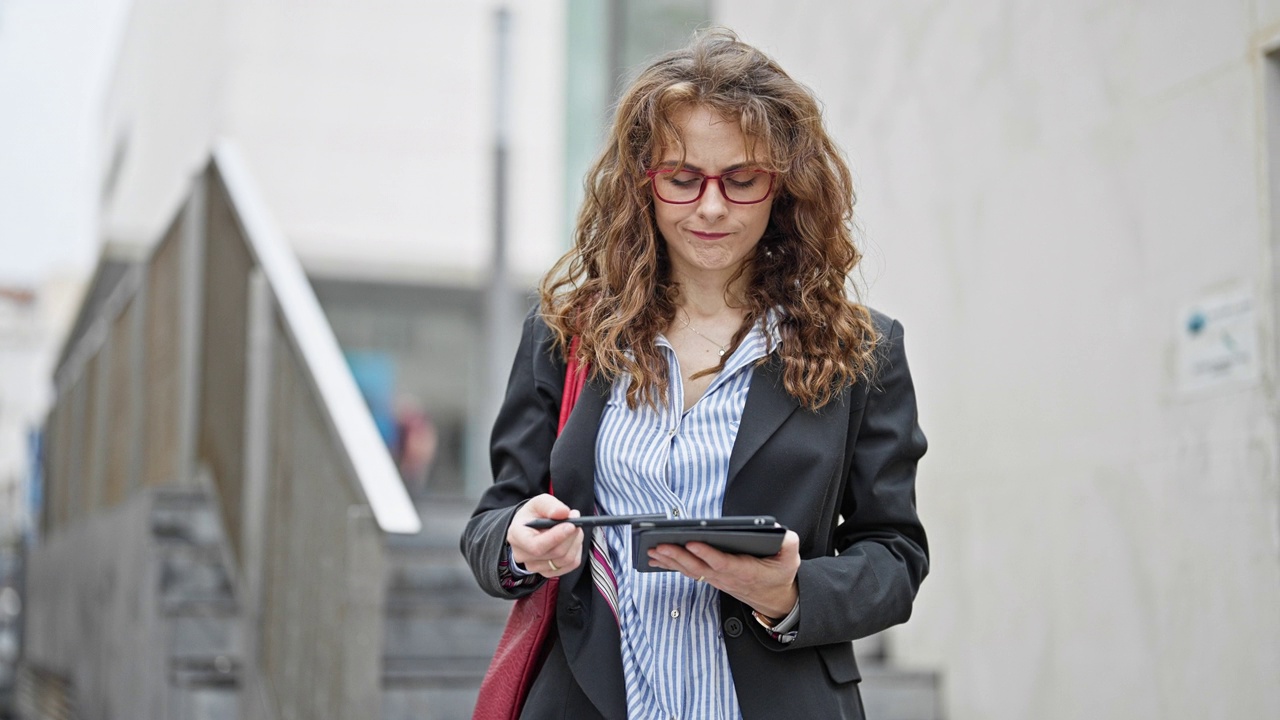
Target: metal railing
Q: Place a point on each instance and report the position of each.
(212, 363)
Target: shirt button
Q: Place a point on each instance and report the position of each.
(672, 433)
(675, 512)
(675, 614)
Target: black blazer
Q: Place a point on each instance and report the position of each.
(843, 478)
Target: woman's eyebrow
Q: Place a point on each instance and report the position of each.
(698, 169)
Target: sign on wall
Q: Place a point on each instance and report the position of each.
(1218, 342)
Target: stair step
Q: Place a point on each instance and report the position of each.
(193, 575)
(433, 703)
(206, 703)
(459, 639)
(204, 636)
(186, 516)
(894, 694)
(439, 589)
(219, 671)
(402, 672)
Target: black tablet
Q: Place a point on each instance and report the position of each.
(757, 535)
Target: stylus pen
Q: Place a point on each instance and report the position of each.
(590, 521)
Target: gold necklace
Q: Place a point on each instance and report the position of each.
(723, 348)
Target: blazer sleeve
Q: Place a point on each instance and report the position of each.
(881, 551)
(520, 453)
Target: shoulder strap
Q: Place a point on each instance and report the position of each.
(575, 378)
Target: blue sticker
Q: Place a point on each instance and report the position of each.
(1196, 323)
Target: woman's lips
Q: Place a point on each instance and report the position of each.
(708, 235)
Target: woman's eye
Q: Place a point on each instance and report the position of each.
(684, 179)
(742, 180)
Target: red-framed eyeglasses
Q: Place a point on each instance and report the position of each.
(740, 187)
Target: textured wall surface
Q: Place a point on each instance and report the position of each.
(92, 599)
(1044, 189)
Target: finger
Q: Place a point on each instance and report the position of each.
(562, 543)
(548, 506)
(677, 558)
(659, 558)
(529, 545)
(714, 559)
(569, 553)
(539, 506)
(564, 562)
(567, 545)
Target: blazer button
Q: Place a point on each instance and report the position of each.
(733, 627)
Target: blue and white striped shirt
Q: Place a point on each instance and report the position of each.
(677, 463)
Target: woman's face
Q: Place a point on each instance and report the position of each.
(710, 237)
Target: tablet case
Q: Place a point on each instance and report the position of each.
(746, 538)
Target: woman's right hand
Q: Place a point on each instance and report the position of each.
(551, 552)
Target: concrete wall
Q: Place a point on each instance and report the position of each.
(159, 114)
(94, 615)
(1048, 191)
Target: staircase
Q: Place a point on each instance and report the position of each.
(198, 606)
(440, 628)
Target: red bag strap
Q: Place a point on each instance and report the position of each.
(575, 378)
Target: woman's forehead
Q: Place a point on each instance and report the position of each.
(699, 135)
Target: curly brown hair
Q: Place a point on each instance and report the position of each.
(613, 289)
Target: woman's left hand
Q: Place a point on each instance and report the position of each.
(767, 585)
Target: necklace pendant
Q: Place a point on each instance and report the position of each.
(722, 353)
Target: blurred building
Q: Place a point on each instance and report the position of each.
(32, 321)
(21, 348)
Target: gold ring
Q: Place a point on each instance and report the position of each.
(701, 578)
(553, 566)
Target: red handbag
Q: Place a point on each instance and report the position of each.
(521, 650)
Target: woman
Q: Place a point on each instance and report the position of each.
(731, 374)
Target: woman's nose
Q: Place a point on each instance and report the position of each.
(712, 203)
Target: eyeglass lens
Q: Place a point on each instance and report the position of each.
(742, 186)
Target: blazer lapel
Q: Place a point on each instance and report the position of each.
(588, 631)
(573, 459)
(768, 406)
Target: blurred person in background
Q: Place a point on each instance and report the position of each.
(416, 443)
(733, 371)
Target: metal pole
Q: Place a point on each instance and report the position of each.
(255, 496)
(617, 34)
(194, 229)
(501, 326)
